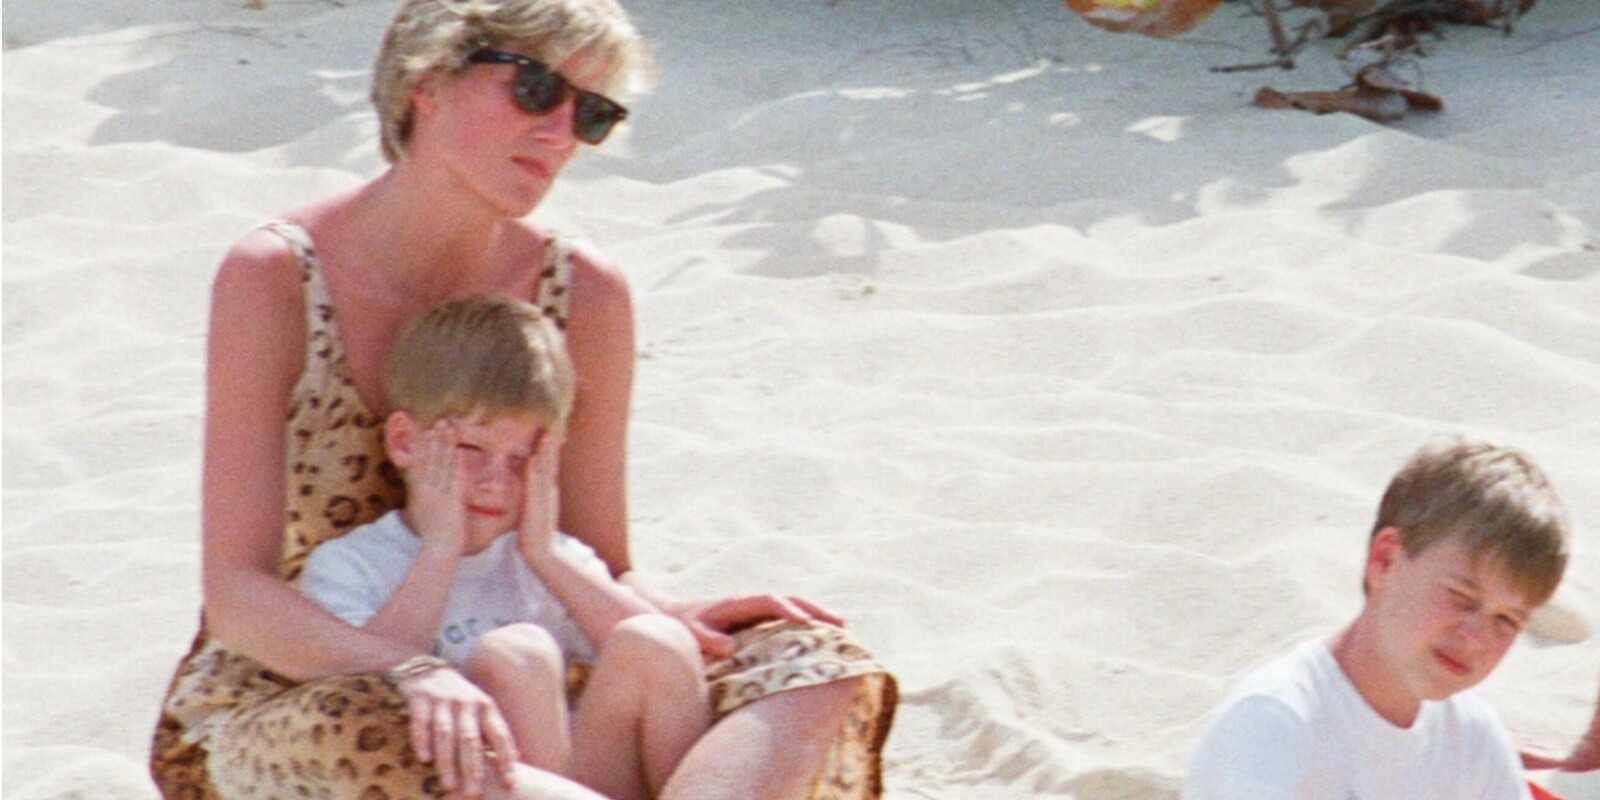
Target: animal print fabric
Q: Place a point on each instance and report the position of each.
(776, 656)
(230, 729)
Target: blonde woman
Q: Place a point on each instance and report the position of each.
(482, 103)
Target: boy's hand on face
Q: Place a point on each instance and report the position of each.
(541, 500)
(436, 499)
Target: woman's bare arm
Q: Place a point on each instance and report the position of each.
(593, 482)
(255, 352)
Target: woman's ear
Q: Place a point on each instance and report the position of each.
(400, 438)
(425, 95)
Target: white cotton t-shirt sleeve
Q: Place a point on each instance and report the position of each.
(354, 575)
(1257, 748)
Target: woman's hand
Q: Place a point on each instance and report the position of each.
(712, 620)
(436, 492)
(457, 727)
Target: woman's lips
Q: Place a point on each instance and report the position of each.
(534, 167)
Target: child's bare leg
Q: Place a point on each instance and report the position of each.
(520, 666)
(645, 705)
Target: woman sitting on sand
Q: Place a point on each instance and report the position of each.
(482, 103)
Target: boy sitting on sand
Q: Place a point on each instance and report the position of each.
(472, 568)
(1470, 539)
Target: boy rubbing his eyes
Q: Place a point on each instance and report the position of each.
(473, 571)
(1470, 539)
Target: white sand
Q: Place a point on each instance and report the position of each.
(1066, 374)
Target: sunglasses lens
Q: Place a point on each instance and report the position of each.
(594, 117)
(538, 89)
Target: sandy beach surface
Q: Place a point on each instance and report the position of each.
(1068, 376)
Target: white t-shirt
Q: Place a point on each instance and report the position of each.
(1298, 729)
(355, 574)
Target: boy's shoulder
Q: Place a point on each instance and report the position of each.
(1304, 681)
(384, 536)
(1301, 700)
(353, 575)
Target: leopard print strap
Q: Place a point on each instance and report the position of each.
(553, 295)
(322, 336)
(338, 474)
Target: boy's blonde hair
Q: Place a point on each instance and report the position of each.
(1492, 500)
(481, 357)
(436, 36)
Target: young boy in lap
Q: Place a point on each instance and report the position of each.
(1470, 538)
(473, 570)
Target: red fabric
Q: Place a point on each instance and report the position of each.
(1539, 793)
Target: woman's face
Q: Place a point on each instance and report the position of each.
(470, 125)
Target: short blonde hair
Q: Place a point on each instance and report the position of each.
(436, 36)
(483, 357)
(1492, 500)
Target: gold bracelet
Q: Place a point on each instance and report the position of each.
(413, 667)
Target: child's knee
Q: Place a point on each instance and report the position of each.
(517, 650)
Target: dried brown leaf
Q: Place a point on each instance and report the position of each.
(1379, 78)
(1379, 105)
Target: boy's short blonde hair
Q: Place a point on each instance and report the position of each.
(481, 357)
(1492, 500)
(436, 36)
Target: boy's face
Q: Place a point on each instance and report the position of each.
(496, 457)
(1444, 618)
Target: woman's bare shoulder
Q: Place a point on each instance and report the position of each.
(261, 260)
(597, 280)
(257, 294)
(264, 257)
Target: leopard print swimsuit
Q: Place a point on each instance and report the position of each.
(231, 729)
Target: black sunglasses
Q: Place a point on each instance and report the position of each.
(540, 88)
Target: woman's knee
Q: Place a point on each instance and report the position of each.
(514, 651)
(823, 703)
